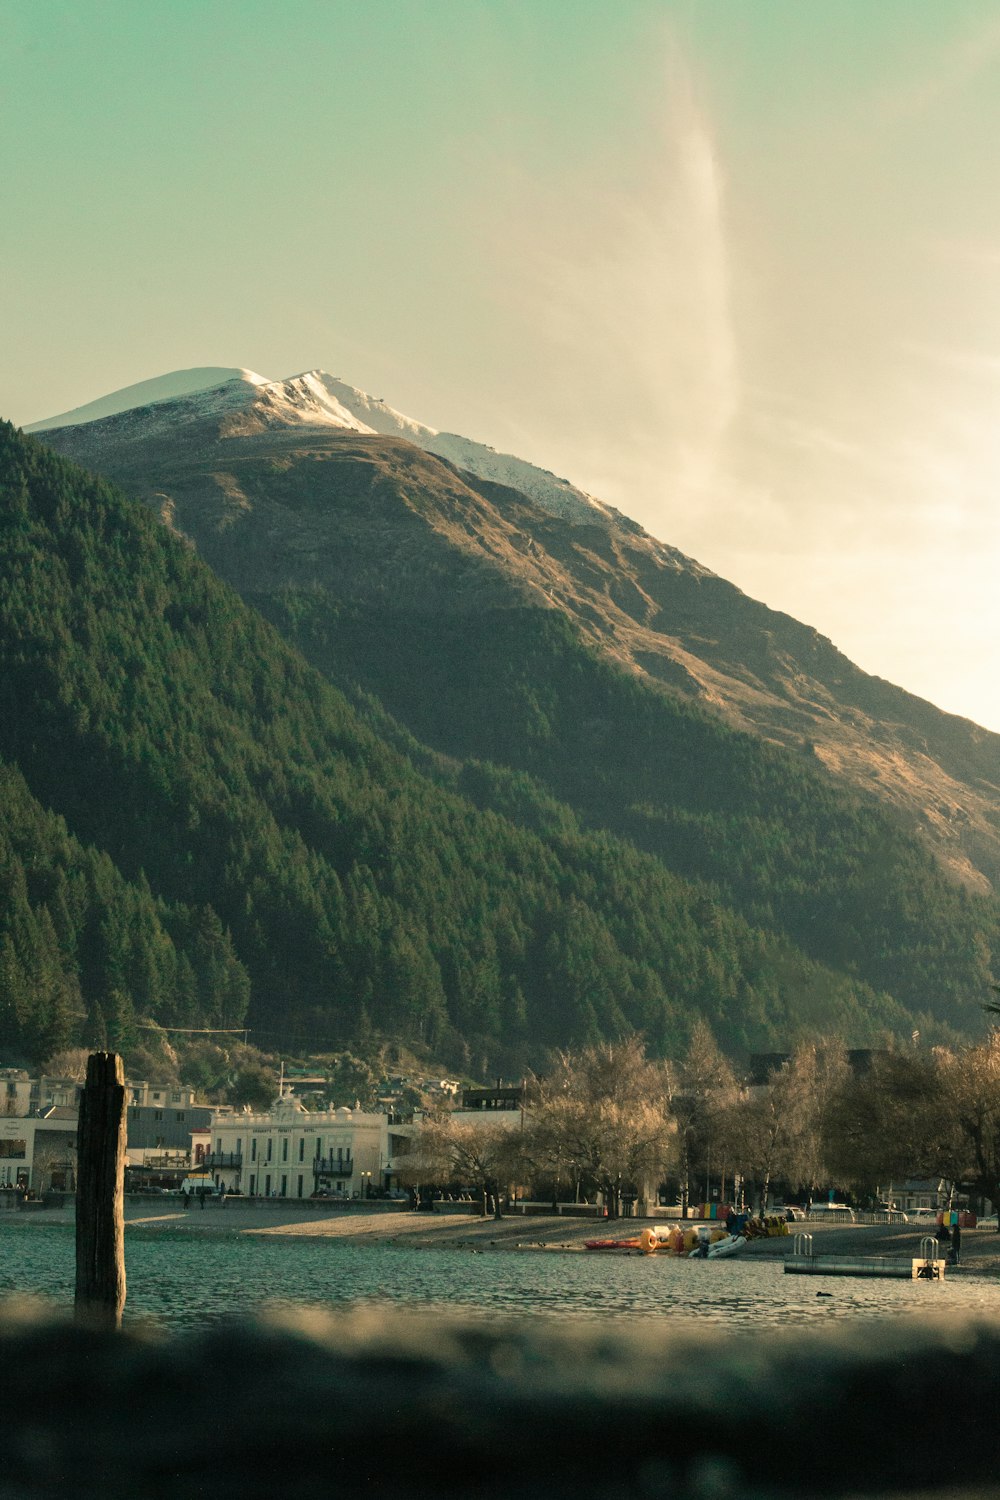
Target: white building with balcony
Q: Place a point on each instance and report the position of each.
(38, 1154)
(292, 1153)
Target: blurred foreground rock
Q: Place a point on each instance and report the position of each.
(415, 1405)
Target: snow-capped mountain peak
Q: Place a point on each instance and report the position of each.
(246, 403)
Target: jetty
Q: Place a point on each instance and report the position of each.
(927, 1266)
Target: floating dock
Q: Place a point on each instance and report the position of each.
(928, 1266)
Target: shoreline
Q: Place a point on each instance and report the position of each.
(451, 1229)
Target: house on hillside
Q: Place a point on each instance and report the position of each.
(502, 1104)
(22, 1095)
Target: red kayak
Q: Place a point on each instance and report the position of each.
(611, 1245)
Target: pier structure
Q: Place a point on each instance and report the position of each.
(927, 1266)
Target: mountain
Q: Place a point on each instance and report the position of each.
(202, 458)
(245, 403)
(565, 658)
(201, 831)
(147, 392)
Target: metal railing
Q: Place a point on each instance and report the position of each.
(332, 1166)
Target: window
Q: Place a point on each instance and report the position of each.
(175, 1098)
(180, 1114)
(270, 1148)
(157, 1114)
(302, 1148)
(253, 1148)
(284, 1186)
(13, 1148)
(218, 1145)
(300, 1184)
(284, 1149)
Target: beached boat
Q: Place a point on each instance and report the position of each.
(732, 1244)
(671, 1239)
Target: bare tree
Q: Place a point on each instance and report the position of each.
(890, 1122)
(758, 1126)
(968, 1116)
(782, 1128)
(814, 1075)
(602, 1115)
(54, 1156)
(483, 1156)
(700, 1092)
(70, 1063)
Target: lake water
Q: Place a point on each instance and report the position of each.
(189, 1281)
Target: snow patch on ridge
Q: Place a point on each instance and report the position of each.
(305, 401)
(372, 410)
(170, 387)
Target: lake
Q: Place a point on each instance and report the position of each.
(190, 1281)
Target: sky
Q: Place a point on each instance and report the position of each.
(731, 265)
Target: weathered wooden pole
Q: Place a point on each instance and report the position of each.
(100, 1189)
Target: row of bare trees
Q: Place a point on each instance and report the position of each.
(609, 1120)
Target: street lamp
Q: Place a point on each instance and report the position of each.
(366, 1183)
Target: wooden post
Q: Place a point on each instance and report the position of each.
(100, 1188)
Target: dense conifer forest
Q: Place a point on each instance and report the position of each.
(765, 831)
(200, 828)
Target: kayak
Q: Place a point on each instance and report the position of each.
(612, 1245)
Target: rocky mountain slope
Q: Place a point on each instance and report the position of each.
(311, 483)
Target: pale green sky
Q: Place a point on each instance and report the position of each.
(732, 265)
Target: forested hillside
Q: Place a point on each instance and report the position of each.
(772, 836)
(568, 650)
(199, 829)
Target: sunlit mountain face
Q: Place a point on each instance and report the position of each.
(310, 482)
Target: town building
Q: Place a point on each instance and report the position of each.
(290, 1152)
(21, 1095)
(158, 1128)
(504, 1104)
(38, 1153)
(38, 1128)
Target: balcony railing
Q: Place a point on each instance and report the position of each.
(222, 1159)
(333, 1166)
